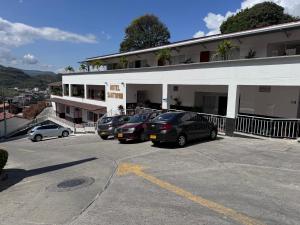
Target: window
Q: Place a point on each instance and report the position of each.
(266, 89)
(68, 109)
(90, 116)
(66, 89)
(96, 92)
(77, 90)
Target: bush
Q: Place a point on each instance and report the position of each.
(3, 159)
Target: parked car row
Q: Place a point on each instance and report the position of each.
(173, 127)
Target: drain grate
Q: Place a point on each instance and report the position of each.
(72, 184)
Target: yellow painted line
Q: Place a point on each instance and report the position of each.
(127, 168)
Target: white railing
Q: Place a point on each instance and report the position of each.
(268, 127)
(219, 121)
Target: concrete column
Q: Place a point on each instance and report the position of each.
(85, 91)
(165, 97)
(232, 108)
(70, 91)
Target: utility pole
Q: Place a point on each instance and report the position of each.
(4, 112)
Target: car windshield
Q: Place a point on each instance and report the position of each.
(139, 118)
(106, 119)
(165, 117)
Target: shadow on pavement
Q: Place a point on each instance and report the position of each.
(190, 143)
(14, 176)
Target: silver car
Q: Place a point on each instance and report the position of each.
(40, 132)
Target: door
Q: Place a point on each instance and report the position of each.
(189, 125)
(141, 97)
(204, 56)
(222, 105)
(53, 131)
(203, 126)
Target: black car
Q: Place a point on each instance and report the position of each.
(180, 127)
(135, 128)
(108, 124)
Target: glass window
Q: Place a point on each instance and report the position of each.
(68, 109)
(66, 89)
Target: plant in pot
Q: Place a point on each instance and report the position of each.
(121, 109)
(123, 62)
(224, 50)
(163, 56)
(251, 54)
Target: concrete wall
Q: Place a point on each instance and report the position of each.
(13, 124)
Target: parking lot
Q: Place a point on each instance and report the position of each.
(85, 180)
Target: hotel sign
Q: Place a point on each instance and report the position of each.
(115, 92)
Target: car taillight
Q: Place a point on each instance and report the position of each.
(166, 126)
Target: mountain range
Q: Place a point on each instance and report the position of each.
(12, 77)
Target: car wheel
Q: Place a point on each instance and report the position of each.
(104, 137)
(181, 140)
(65, 133)
(38, 138)
(213, 135)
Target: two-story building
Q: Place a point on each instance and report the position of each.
(255, 89)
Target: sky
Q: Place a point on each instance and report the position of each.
(52, 34)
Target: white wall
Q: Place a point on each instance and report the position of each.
(280, 102)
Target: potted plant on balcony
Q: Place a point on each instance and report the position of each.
(97, 64)
(224, 50)
(69, 69)
(123, 62)
(82, 67)
(251, 54)
(163, 56)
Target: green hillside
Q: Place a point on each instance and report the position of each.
(12, 77)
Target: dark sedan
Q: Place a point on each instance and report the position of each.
(180, 127)
(108, 124)
(135, 128)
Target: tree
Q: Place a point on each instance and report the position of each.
(260, 15)
(224, 50)
(163, 56)
(145, 32)
(69, 69)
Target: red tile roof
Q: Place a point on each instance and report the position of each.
(8, 116)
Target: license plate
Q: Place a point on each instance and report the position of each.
(103, 133)
(120, 135)
(152, 136)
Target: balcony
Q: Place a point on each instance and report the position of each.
(274, 60)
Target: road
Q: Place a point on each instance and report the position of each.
(227, 181)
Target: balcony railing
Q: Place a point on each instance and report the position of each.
(218, 63)
(268, 127)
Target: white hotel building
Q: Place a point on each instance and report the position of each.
(258, 94)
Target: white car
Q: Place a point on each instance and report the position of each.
(40, 132)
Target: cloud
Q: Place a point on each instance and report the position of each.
(18, 34)
(199, 34)
(30, 59)
(213, 21)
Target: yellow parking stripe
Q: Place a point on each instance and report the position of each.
(127, 168)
